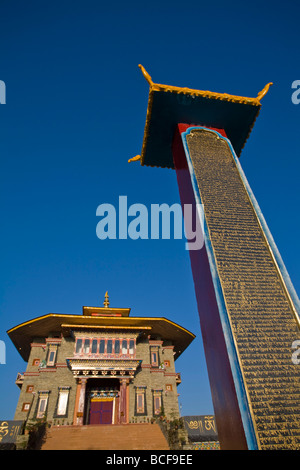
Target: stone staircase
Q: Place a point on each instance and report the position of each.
(106, 437)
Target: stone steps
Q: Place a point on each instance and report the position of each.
(106, 437)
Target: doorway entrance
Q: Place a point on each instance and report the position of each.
(101, 411)
(102, 401)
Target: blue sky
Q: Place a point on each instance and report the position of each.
(75, 113)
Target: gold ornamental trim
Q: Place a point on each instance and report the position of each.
(103, 327)
(97, 363)
(154, 87)
(206, 93)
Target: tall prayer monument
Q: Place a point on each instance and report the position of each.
(248, 308)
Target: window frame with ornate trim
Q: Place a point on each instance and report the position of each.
(51, 355)
(43, 398)
(154, 352)
(157, 395)
(140, 394)
(61, 409)
(26, 407)
(107, 347)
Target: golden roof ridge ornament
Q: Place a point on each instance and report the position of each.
(146, 75)
(106, 301)
(134, 159)
(264, 91)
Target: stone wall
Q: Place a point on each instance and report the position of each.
(43, 378)
(153, 378)
(47, 378)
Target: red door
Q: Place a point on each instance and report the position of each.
(101, 412)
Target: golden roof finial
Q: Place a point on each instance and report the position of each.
(106, 301)
(134, 159)
(264, 91)
(146, 75)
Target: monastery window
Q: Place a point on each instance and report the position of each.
(131, 347)
(111, 347)
(26, 407)
(42, 404)
(29, 389)
(62, 404)
(42, 407)
(167, 363)
(154, 358)
(36, 362)
(51, 357)
(140, 401)
(86, 346)
(157, 405)
(52, 351)
(169, 387)
(78, 345)
(157, 402)
(124, 346)
(117, 346)
(94, 346)
(102, 346)
(154, 361)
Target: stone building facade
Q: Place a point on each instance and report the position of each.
(101, 367)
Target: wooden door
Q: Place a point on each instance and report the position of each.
(101, 411)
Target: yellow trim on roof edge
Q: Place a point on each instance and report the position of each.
(87, 316)
(107, 327)
(206, 94)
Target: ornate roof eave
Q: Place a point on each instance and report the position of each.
(192, 93)
(206, 93)
(23, 334)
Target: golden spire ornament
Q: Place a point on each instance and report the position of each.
(106, 301)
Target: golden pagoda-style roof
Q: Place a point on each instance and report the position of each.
(170, 105)
(24, 334)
